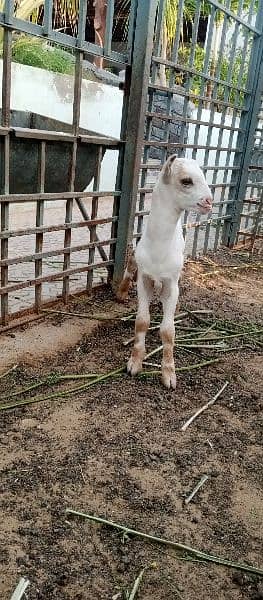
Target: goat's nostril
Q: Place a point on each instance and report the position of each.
(207, 201)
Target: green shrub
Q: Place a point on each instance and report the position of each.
(36, 53)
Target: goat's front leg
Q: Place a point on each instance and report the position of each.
(145, 291)
(169, 298)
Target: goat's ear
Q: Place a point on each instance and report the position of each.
(167, 168)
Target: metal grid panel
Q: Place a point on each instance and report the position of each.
(80, 259)
(199, 106)
(250, 233)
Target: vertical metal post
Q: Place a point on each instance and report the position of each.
(141, 63)
(47, 21)
(109, 26)
(249, 122)
(94, 215)
(4, 184)
(39, 223)
(69, 203)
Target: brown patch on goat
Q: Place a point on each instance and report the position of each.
(167, 337)
(168, 356)
(123, 290)
(141, 326)
(129, 276)
(138, 351)
(137, 354)
(168, 346)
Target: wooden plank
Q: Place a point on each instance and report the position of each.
(50, 228)
(54, 277)
(42, 134)
(18, 198)
(40, 255)
(101, 141)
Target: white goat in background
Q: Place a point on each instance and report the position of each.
(159, 256)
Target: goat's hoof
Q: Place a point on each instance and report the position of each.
(134, 366)
(169, 378)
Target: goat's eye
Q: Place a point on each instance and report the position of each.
(187, 181)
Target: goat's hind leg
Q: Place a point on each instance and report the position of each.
(169, 298)
(145, 292)
(128, 278)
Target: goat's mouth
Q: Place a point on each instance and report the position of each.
(204, 207)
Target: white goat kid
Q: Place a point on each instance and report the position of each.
(159, 256)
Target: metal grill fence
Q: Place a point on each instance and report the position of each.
(250, 233)
(198, 103)
(216, 102)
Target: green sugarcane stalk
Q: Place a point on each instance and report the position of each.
(48, 381)
(99, 379)
(193, 552)
(63, 393)
(182, 369)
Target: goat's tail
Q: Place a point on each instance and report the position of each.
(130, 275)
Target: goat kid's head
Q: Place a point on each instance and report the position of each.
(188, 182)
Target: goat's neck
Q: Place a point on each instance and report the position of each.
(164, 214)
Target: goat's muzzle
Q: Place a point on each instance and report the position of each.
(205, 205)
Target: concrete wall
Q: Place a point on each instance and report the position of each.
(51, 94)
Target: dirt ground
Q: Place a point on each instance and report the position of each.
(116, 450)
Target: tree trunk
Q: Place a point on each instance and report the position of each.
(100, 27)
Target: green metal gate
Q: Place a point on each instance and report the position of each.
(203, 102)
(194, 89)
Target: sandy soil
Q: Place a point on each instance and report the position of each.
(117, 450)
